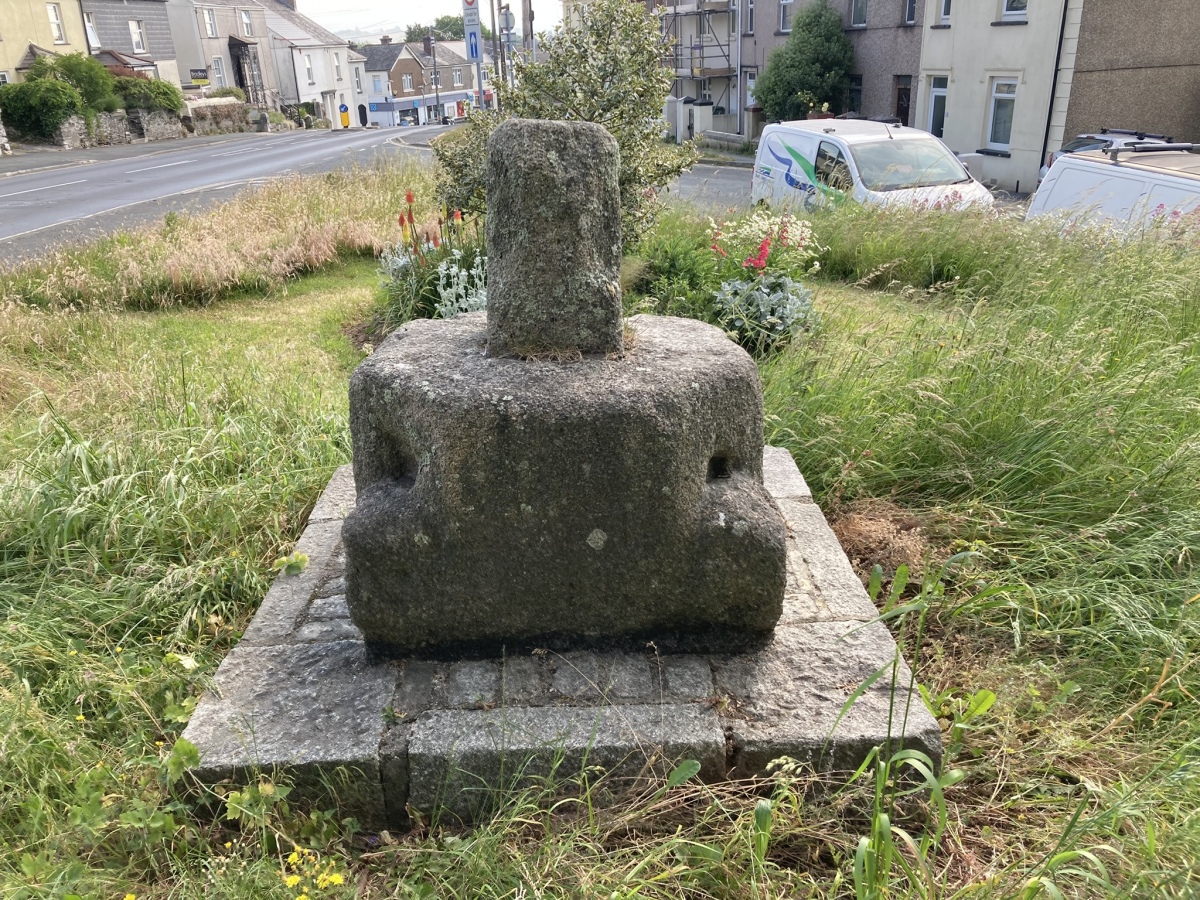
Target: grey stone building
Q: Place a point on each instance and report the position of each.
(138, 29)
(234, 40)
(1136, 65)
(886, 35)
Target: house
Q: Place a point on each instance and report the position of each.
(704, 54)
(431, 81)
(133, 34)
(378, 62)
(315, 66)
(29, 29)
(886, 36)
(235, 44)
(987, 78)
(487, 68)
(1132, 65)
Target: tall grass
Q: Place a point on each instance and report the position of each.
(257, 241)
(1043, 402)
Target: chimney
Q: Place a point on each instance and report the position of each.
(429, 45)
(385, 40)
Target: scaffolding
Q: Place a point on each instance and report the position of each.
(703, 53)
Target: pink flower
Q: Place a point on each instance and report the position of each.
(760, 261)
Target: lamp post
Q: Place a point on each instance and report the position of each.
(437, 95)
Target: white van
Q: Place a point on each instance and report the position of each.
(818, 160)
(1131, 186)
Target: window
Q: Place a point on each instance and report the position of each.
(89, 26)
(910, 12)
(406, 81)
(457, 77)
(308, 68)
(706, 90)
(945, 12)
(854, 94)
(376, 84)
(137, 34)
(1014, 10)
(939, 87)
(337, 66)
(3, 78)
(831, 167)
(210, 22)
(247, 25)
(219, 71)
(858, 12)
(748, 25)
(785, 15)
(56, 23)
(437, 78)
(1000, 117)
(487, 75)
(357, 79)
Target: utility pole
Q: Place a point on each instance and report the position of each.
(497, 58)
(437, 93)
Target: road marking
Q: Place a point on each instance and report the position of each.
(244, 150)
(163, 166)
(46, 188)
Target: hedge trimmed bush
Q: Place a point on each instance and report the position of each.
(142, 93)
(35, 108)
(230, 91)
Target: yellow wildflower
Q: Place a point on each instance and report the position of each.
(292, 880)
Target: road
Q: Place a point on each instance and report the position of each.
(59, 203)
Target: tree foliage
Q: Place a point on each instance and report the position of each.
(84, 73)
(446, 28)
(146, 93)
(811, 69)
(35, 108)
(606, 68)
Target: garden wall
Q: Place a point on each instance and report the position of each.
(154, 125)
(118, 127)
(220, 115)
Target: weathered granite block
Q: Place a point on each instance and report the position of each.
(554, 239)
(506, 503)
(457, 758)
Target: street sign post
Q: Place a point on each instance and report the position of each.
(474, 40)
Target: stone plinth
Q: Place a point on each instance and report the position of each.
(509, 503)
(300, 698)
(554, 239)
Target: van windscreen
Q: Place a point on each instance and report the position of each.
(910, 163)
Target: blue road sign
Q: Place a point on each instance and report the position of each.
(473, 45)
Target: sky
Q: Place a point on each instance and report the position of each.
(375, 15)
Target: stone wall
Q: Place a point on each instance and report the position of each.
(107, 128)
(4, 148)
(221, 115)
(154, 125)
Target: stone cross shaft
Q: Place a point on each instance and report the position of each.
(554, 240)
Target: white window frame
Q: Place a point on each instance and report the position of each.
(944, 12)
(309, 69)
(247, 23)
(89, 27)
(57, 29)
(406, 82)
(785, 14)
(910, 12)
(3, 77)
(376, 84)
(218, 65)
(1009, 14)
(210, 22)
(994, 95)
(437, 78)
(858, 13)
(358, 79)
(935, 92)
(748, 25)
(137, 35)
(337, 66)
(458, 77)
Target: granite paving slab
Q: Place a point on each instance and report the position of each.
(301, 697)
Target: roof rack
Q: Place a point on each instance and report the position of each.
(1140, 135)
(1114, 152)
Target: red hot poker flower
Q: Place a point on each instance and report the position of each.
(408, 197)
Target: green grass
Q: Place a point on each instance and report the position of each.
(1039, 411)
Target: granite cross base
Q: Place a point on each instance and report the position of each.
(300, 695)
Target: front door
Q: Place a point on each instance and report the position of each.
(903, 94)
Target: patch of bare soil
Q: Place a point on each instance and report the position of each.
(880, 533)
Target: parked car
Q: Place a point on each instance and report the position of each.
(1132, 186)
(813, 161)
(1105, 137)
